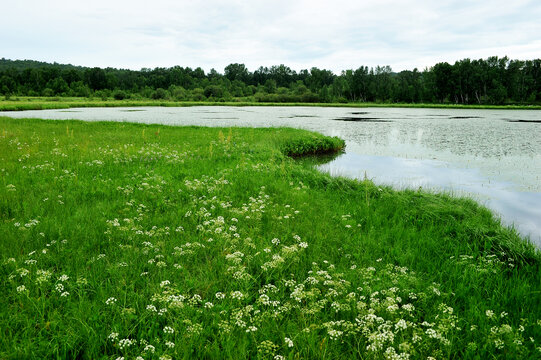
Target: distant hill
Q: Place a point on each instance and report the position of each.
(33, 64)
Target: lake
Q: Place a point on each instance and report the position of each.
(493, 156)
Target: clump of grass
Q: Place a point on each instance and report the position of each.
(312, 144)
(141, 241)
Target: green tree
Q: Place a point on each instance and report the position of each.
(58, 85)
(95, 78)
(237, 72)
(270, 86)
(443, 81)
(7, 85)
(160, 94)
(80, 89)
(214, 91)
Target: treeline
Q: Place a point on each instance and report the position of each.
(484, 81)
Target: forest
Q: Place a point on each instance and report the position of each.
(491, 81)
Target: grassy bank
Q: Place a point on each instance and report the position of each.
(44, 103)
(142, 241)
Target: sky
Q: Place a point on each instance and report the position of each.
(334, 35)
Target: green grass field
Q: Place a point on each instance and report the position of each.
(129, 241)
(44, 103)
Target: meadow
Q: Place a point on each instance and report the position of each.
(130, 241)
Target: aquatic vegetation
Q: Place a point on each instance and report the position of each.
(131, 241)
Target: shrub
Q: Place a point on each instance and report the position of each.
(159, 94)
(119, 95)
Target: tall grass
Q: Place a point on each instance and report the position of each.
(142, 241)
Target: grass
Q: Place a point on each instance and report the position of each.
(142, 241)
(44, 103)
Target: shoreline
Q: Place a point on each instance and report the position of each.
(66, 103)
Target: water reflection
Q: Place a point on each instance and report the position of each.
(519, 209)
(321, 159)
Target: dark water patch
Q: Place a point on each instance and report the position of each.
(70, 111)
(320, 159)
(360, 113)
(298, 116)
(465, 117)
(132, 110)
(220, 118)
(524, 121)
(362, 119)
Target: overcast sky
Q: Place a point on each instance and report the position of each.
(334, 35)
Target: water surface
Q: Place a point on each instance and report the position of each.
(493, 156)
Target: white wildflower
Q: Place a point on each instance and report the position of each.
(251, 329)
(401, 325)
(125, 343)
(110, 301)
(209, 305)
(288, 342)
(408, 307)
(334, 334)
(149, 348)
(237, 295)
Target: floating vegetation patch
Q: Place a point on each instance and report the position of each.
(465, 117)
(299, 116)
(524, 121)
(362, 119)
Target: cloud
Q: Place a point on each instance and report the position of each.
(334, 35)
